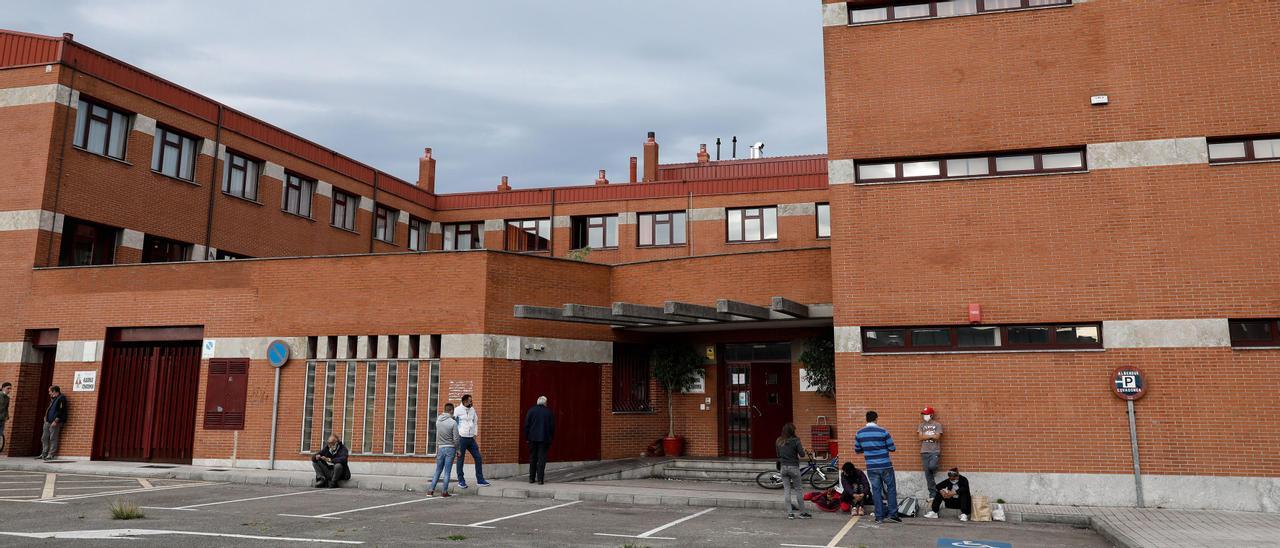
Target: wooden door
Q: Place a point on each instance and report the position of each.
(573, 394)
(45, 375)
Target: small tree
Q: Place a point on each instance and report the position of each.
(676, 368)
(819, 359)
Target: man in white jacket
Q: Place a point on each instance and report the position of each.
(467, 429)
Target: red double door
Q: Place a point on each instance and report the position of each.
(573, 394)
(147, 403)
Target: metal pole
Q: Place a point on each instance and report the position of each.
(275, 412)
(1137, 468)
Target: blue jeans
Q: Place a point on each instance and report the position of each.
(444, 463)
(884, 492)
(465, 445)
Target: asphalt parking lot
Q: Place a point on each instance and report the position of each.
(214, 514)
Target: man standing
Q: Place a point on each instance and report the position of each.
(875, 444)
(5, 389)
(54, 417)
(330, 463)
(446, 447)
(539, 428)
(467, 430)
(954, 492)
(930, 434)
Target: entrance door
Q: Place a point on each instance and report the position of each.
(573, 394)
(45, 376)
(758, 403)
(147, 402)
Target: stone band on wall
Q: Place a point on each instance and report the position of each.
(1159, 152)
(511, 347)
(31, 219)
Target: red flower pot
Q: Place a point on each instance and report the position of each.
(673, 447)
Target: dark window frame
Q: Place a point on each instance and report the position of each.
(817, 220)
(631, 378)
(1003, 342)
(171, 141)
(525, 235)
(979, 8)
(422, 228)
(1272, 324)
(158, 249)
(1250, 155)
(349, 204)
(583, 226)
(991, 160)
(305, 187)
(473, 228)
(742, 224)
(237, 162)
(384, 223)
(104, 241)
(81, 137)
(653, 228)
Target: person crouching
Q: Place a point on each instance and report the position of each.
(330, 463)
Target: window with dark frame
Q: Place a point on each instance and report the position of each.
(631, 379)
(1244, 150)
(528, 235)
(752, 224)
(595, 232)
(297, 195)
(85, 243)
(240, 176)
(344, 210)
(174, 154)
(982, 337)
(971, 165)
(222, 255)
(823, 215)
(1254, 332)
(463, 236)
(418, 231)
(101, 129)
(906, 10)
(659, 229)
(384, 225)
(163, 250)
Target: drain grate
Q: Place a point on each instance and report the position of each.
(159, 466)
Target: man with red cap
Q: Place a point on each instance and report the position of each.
(930, 432)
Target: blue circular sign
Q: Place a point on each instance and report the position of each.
(277, 353)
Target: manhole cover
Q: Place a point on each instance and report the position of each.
(159, 466)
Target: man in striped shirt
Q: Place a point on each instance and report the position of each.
(875, 444)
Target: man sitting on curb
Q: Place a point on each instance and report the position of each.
(331, 463)
(954, 492)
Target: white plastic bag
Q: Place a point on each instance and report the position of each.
(998, 513)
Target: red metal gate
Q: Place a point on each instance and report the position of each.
(147, 403)
(573, 394)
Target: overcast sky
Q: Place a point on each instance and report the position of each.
(546, 92)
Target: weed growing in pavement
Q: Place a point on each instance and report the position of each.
(455, 537)
(125, 510)
(634, 545)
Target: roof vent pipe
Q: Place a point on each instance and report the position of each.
(601, 180)
(757, 151)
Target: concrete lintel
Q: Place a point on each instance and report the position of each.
(362, 347)
(491, 225)
(627, 218)
(30, 219)
(561, 221)
(131, 238)
(1157, 152)
(695, 311)
(273, 170)
(322, 348)
(745, 310)
(402, 217)
(840, 172)
(707, 214)
(33, 95)
(384, 346)
(435, 228)
(835, 15)
(208, 147)
(797, 210)
(254, 348)
(366, 203)
(79, 351)
(402, 347)
(789, 307)
(848, 338)
(144, 124)
(647, 313)
(324, 189)
(1196, 333)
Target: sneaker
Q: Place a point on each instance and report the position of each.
(805, 515)
(482, 483)
(895, 519)
(931, 515)
(41, 457)
(879, 522)
(445, 494)
(791, 515)
(462, 485)
(964, 517)
(431, 493)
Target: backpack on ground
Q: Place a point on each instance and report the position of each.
(908, 507)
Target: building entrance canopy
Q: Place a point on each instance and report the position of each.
(676, 316)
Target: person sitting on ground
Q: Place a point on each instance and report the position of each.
(331, 463)
(954, 492)
(855, 489)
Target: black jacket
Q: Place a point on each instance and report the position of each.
(57, 410)
(338, 455)
(539, 424)
(962, 487)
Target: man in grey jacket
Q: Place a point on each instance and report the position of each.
(446, 448)
(5, 389)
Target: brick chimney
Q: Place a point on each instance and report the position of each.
(634, 160)
(601, 180)
(651, 159)
(427, 172)
(504, 186)
(703, 156)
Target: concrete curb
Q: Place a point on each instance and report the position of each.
(1100, 526)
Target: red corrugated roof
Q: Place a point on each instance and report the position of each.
(21, 49)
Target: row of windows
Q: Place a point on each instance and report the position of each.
(1244, 150)
(86, 243)
(981, 337)
(917, 9)
(970, 165)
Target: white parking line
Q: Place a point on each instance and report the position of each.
(50, 480)
(146, 483)
(128, 491)
(485, 524)
(332, 514)
(194, 506)
(134, 533)
(651, 532)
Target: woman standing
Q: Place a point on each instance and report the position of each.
(789, 454)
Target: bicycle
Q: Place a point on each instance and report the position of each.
(820, 476)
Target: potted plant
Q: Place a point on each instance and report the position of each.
(677, 368)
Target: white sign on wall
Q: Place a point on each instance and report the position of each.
(701, 386)
(804, 384)
(86, 381)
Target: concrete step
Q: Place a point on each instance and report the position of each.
(723, 464)
(706, 474)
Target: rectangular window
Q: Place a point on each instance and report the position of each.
(462, 236)
(752, 224)
(972, 337)
(916, 9)
(330, 378)
(1254, 332)
(222, 255)
(370, 404)
(226, 394)
(297, 195)
(631, 379)
(85, 243)
(950, 8)
(411, 411)
(240, 176)
(384, 226)
(101, 129)
(344, 210)
(308, 404)
(661, 228)
(418, 231)
(163, 250)
(868, 15)
(349, 402)
(1053, 161)
(529, 235)
(389, 416)
(824, 220)
(433, 403)
(595, 232)
(912, 11)
(174, 154)
(1244, 150)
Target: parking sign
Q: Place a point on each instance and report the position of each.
(1128, 383)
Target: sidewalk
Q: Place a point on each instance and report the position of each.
(1134, 528)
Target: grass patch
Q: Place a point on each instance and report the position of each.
(634, 545)
(121, 509)
(455, 537)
